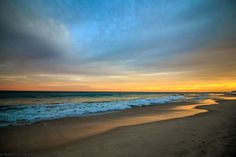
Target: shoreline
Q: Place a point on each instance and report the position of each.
(46, 135)
(213, 130)
(212, 133)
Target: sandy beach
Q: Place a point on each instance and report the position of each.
(178, 129)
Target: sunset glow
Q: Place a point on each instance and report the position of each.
(118, 46)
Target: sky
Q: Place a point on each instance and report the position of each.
(118, 45)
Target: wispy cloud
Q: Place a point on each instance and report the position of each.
(118, 39)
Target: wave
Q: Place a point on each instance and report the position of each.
(27, 114)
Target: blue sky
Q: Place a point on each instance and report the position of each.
(93, 38)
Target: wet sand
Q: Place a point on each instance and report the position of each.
(146, 131)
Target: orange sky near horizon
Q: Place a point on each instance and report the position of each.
(220, 87)
(134, 83)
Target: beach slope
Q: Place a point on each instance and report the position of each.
(206, 134)
(177, 129)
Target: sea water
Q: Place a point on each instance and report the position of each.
(20, 108)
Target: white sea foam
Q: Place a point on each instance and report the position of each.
(19, 115)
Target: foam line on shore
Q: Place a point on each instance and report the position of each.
(27, 114)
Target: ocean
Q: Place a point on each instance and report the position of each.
(21, 108)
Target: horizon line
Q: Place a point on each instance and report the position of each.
(117, 91)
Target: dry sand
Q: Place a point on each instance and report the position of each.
(125, 134)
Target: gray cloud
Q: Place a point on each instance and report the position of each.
(96, 39)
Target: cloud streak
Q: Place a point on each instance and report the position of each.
(116, 41)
